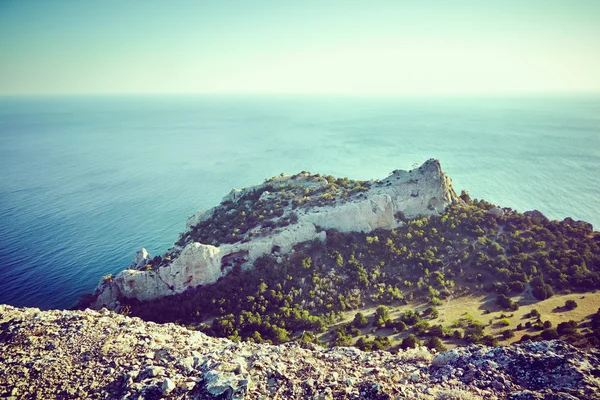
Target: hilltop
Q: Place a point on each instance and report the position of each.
(272, 218)
(99, 355)
(373, 264)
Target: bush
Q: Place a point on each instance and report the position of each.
(547, 324)
(410, 317)
(571, 304)
(436, 331)
(431, 312)
(420, 327)
(504, 322)
(435, 343)
(360, 321)
(525, 337)
(543, 292)
(507, 334)
(488, 340)
(565, 328)
(410, 341)
(382, 316)
(399, 326)
(506, 303)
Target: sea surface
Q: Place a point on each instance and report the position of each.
(85, 182)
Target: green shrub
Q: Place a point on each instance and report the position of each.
(570, 304)
(360, 321)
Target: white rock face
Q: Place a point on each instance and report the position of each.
(198, 264)
(141, 258)
(423, 191)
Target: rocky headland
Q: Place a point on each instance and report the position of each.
(104, 355)
(101, 353)
(288, 210)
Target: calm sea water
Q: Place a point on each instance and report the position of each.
(85, 182)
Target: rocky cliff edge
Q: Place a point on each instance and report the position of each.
(104, 355)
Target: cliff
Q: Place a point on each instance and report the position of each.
(272, 218)
(104, 355)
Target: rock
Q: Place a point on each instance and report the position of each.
(141, 259)
(535, 214)
(533, 370)
(153, 371)
(167, 386)
(423, 191)
(415, 376)
(496, 211)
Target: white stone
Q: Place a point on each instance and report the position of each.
(167, 386)
(141, 258)
(496, 211)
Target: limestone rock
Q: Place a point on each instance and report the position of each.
(496, 211)
(422, 191)
(103, 355)
(141, 258)
(167, 386)
(535, 214)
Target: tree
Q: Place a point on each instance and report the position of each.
(507, 334)
(410, 341)
(506, 302)
(420, 327)
(541, 290)
(410, 317)
(570, 304)
(399, 326)
(549, 334)
(436, 331)
(431, 312)
(547, 324)
(382, 316)
(360, 321)
(565, 328)
(436, 343)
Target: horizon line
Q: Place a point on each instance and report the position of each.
(344, 94)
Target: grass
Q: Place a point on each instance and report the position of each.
(485, 310)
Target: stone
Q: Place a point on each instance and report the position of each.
(535, 214)
(228, 370)
(167, 386)
(496, 211)
(423, 191)
(140, 260)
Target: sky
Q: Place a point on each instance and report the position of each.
(305, 46)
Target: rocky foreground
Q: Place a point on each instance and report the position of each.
(103, 355)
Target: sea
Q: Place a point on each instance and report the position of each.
(85, 182)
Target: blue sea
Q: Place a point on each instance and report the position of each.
(87, 181)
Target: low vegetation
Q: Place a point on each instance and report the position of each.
(466, 249)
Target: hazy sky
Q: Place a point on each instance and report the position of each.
(303, 46)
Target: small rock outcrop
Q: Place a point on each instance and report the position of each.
(104, 355)
(142, 257)
(422, 191)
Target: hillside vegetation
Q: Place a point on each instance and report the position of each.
(467, 249)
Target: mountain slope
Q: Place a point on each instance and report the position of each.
(90, 354)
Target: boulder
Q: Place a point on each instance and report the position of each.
(141, 258)
(496, 211)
